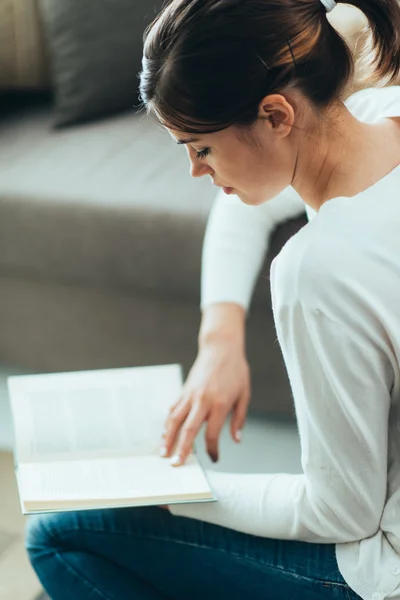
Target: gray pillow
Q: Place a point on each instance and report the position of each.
(95, 50)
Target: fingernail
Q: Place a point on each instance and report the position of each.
(214, 458)
(175, 461)
(239, 436)
(163, 451)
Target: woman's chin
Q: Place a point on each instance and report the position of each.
(248, 199)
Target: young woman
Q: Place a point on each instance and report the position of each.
(253, 88)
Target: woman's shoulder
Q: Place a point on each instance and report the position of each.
(306, 264)
(373, 104)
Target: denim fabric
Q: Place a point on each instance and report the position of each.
(148, 554)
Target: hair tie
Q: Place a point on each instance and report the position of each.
(329, 5)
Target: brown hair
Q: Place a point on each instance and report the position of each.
(208, 63)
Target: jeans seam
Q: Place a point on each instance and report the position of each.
(335, 584)
(84, 578)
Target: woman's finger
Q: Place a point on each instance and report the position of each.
(174, 423)
(188, 433)
(239, 415)
(173, 409)
(215, 424)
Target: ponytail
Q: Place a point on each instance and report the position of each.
(381, 40)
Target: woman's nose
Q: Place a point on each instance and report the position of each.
(199, 168)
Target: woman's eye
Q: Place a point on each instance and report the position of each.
(203, 153)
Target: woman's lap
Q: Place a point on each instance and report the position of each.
(148, 554)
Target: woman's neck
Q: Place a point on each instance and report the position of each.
(343, 156)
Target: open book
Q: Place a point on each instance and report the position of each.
(91, 439)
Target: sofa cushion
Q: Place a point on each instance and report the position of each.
(109, 204)
(95, 48)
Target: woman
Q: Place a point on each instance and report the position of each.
(253, 88)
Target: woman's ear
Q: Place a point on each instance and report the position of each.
(278, 113)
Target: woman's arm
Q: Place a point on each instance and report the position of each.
(341, 380)
(236, 240)
(219, 382)
(342, 404)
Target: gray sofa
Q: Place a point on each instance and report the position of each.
(101, 232)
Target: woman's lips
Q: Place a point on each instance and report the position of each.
(228, 190)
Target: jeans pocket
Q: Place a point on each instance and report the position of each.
(340, 591)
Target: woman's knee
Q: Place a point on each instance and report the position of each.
(37, 535)
(43, 533)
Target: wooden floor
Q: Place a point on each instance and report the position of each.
(17, 579)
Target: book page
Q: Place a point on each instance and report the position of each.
(102, 479)
(92, 414)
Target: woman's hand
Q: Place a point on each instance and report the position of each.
(218, 383)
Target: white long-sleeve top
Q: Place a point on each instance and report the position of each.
(336, 300)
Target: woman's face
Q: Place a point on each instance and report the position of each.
(256, 163)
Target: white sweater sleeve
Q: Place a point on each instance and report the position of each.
(340, 382)
(236, 240)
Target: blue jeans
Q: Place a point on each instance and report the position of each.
(148, 554)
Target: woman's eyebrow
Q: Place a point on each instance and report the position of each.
(190, 141)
